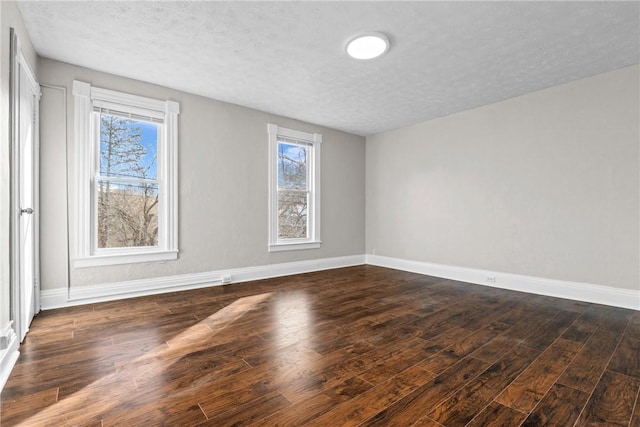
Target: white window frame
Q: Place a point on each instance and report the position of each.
(314, 141)
(86, 164)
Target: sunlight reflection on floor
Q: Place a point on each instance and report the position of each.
(116, 389)
(294, 317)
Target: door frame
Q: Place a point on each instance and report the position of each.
(18, 62)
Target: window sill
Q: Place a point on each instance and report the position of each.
(279, 247)
(124, 258)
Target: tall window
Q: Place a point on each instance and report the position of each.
(126, 177)
(126, 184)
(294, 189)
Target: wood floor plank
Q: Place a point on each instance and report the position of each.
(348, 389)
(496, 348)
(582, 329)
(360, 408)
(635, 419)
(443, 340)
(317, 404)
(586, 368)
(426, 422)
(464, 347)
(359, 345)
(241, 389)
(462, 407)
(615, 319)
(625, 359)
(492, 312)
(419, 402)
(560, 407)
(523, 328)
(47, 375)
(150, 416)
(497, 415)
(535, 381)
(249, 412)
(86, 407)
(177, 379)
(12, 411)
(449, 317)
(329, 373)
(297, 414)
(396, 362)
(550, 331)
(612, 401)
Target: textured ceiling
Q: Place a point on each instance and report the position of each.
(288, 58)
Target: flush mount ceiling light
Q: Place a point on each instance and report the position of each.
(368, 46)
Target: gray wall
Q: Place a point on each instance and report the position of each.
(223, 174)
(546, 185)
(9, 17)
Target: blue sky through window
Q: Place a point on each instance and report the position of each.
(150, 141)
(123, 163)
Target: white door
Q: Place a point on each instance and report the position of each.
(26, 93)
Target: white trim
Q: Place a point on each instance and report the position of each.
(317, 156)
(57, 298)
(313, 209)
(82, 166)
(126, 99)
(9, 355)
(587, 292)
(598, 294)
(33, 83)
(169, 204)
(127, 110)
(294, 134)
(127, 258)
(19, 63)
(36, 195)
(86, 254)
(281, 247)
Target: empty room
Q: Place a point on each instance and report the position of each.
(319, 213)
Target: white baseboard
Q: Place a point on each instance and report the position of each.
(624, 298)
(617, 297)
(9, 355)
(61, 297)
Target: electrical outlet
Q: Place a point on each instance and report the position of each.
(373, 251)
(491, 279)
(226, 279)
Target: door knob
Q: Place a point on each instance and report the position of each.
(26, 210)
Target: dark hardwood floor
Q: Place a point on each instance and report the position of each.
(354, 346)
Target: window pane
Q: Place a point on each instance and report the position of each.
(292, 166)
(128, 147)
(292, 215)
(127, 214)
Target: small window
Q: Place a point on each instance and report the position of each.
(125, 157)
(294, 202)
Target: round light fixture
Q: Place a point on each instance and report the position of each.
(368, 46)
